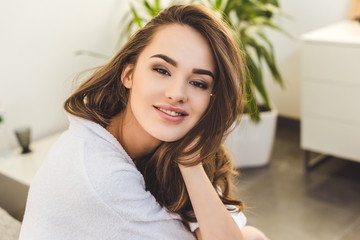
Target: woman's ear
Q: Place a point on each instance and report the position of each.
(126, 75)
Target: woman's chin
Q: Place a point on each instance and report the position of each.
(168, 138)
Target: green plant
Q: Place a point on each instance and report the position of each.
(248, 19)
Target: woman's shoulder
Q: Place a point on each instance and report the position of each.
(94, 150)
(108, 169)
(102, 155)
(95, 139)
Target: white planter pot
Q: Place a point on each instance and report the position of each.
(250, 144)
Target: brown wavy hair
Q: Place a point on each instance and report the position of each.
(103, 96)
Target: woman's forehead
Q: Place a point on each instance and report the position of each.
(182, 43)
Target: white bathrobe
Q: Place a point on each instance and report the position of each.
(89, 188)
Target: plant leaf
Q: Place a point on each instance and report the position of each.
(257, 79)
(250, 101)
(137, 19)
(218, 4)
(270, 60)
(268, 56)
(150, 9)
(263, 37)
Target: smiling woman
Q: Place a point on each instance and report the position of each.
(166, 78)
(143, 156)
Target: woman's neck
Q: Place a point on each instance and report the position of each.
(130, 134)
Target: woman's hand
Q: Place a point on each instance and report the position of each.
(215, 222)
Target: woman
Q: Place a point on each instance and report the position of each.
(142, 158)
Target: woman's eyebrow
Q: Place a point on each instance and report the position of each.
(165, 58)
(203, 72)
(174, 63)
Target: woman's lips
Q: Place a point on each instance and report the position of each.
(171, 113)
(170, 109)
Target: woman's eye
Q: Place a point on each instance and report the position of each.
(161, 71)
(199, 84)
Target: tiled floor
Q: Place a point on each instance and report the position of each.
(288, 204)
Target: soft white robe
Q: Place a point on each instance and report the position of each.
(89, 188)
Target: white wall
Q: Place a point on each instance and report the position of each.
(38, 39)
(307, 15)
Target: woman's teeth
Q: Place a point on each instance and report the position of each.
(171, 113)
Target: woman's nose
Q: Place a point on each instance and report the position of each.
(176, 90)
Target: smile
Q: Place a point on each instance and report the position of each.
(169, 112)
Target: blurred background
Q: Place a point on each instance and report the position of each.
(39, 39)
(38, 68)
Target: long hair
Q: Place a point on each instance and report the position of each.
(103, 96)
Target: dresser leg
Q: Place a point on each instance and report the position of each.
(311, 163)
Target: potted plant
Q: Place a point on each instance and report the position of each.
(251, 142)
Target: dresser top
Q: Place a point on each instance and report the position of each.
(23, 167)
(345, 32)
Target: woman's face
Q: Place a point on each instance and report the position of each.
(170, 85)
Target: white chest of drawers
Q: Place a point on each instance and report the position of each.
(330, 111)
